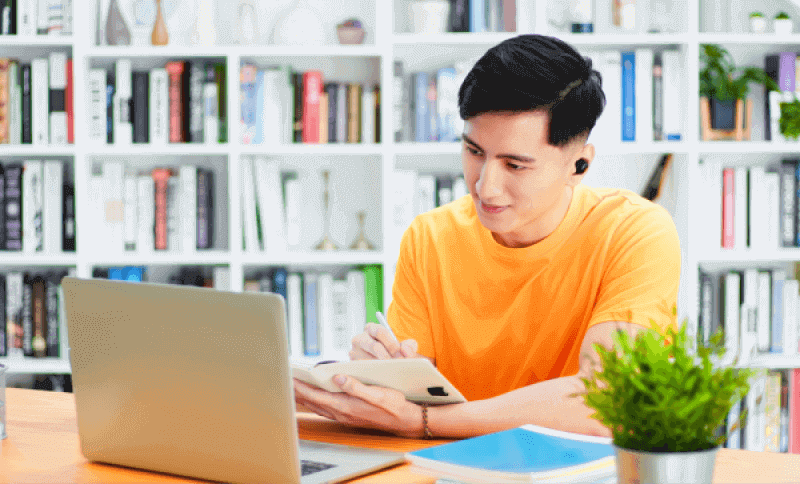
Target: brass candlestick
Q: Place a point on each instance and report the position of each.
(361, 242)
(326, 243)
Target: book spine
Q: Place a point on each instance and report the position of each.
(27, 316)
(342, 328)
(58, 105)
(176, 101)
(373, 290)
(97, 105)
(110, 89)
(161, 178)
(294, 308)
(331, 89)
(794, 410)
(643, 91)
(771, 66)
(26, 18)
(421, 107)
(788, 198)
(204, 208)
(477, 15)
(258, 108)
(341, 113)
(32, 208)
(2, 214)
(728, 208)
(40, 104)
(764, 310)
(786, 71)
(55, 17)
(459, 17)
(53, 205)
(297, 97)
(222, 108)
(368, 116)
(772, 411)
(740, 209)
(5, 107)
(13, 206)
(248, 93)
(69, 104)
(210, 106)
(145, 198)
(174, 209)
(188, 207)
(447, 107)
(6, 18)
(14, 289)
(292, 202)
(312, 88)
(628, 96)
(431, 99)
(15, 104)
(130, 221)
(27, 107)
(141, 107)
(672, 99)
(123, 126)
(311, 328)
(376, 90)
(39, 315)
(325, 322)
(5, 326)
(159, 107)
(323, 117)
(732, 309)
(196, 121)
(68, 211)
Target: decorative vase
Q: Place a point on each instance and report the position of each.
(117, 32)
(783, 26)
(429, 16)
(160, 36)
(758, 25)
(247, 26)
(326, 243)
(204, 33)
(301, 25)
(361, 242)
(665, 467)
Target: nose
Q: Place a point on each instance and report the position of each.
(490, 183)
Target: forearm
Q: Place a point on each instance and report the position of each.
(547, 404)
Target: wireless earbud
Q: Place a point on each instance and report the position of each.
(581, 166)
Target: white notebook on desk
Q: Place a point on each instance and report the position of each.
(416, 378)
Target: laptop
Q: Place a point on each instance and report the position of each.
(194, 382)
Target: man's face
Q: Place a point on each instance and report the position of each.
(520, 184)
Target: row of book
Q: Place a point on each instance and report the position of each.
(426, 104)
(482, 16)
(416, 193)
(36, 100)
(758, 312)
(35, 17)
(163, 209)
(771, 413)
(37, 207)
(784, 69)
(30, 302)
(324, 310)
(184, 101)
(753, 207)
(280, 106)
(215, 277)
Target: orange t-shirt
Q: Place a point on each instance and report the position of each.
(498, 318)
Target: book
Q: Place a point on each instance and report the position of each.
(416, 378)
(529, 453)
(57, 100)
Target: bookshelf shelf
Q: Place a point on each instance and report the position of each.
(241, 51)
(772, 361)
(426, 148)
(458, 38)
(212, 257)
(310, 258)
(300, 149)
(16, 259)
(747, 147)
(767, 39)
(39, 40)
(37, 365)
(38, 150)
(176, 149)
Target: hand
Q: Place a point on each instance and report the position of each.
(377, 343)
(363, 406)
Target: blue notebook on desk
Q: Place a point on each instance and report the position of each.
(525, 454)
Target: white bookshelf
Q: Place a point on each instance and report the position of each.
(626, 164)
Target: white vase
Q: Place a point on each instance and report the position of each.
(429, 16)
(204, 32)
(301, 25)
(783, 26)
(758, 25)
(247, 26)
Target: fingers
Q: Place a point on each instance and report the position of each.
(385, 337)
(374, 343)
(408, 348)
(374, 395)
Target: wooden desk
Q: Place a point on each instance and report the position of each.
(42, 447)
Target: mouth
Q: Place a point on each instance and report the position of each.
(493, 209)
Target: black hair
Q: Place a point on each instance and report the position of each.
(531, 72)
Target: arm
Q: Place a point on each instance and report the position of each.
(547, 403)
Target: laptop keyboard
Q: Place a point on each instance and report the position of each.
(310, 467)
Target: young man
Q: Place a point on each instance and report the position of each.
(507, 290)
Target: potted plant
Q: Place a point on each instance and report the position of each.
(665, 403)
(758, 24)
(722, 83)
(789, 123)
(783, 24)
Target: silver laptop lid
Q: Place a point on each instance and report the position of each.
(183, 380)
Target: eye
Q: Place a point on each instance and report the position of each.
(473, 151)
(515, 167)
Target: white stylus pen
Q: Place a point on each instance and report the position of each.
(382, 320)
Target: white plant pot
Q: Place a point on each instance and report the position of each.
(299, 26)
(429, 16)
(665, 467)
(783, 26)
(758, 25)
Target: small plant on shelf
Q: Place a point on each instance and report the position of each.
(781, 15)
(789, 123)
(758, 24)
(783, 24)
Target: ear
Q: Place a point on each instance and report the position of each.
(586, 153)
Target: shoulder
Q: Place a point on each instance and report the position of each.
(624, 211)
(445, 222)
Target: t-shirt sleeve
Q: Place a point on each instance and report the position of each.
(642, 274)
(409, 315)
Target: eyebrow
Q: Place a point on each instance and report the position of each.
(521, 158)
